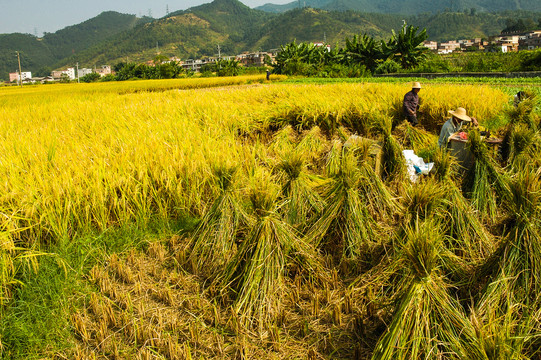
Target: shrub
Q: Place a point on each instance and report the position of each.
(387, 67)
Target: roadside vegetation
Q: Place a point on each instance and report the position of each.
(234, 217)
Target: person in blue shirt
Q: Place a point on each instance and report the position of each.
(454, 124)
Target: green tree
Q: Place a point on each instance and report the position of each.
(228, 68)
(405, 47)
(363, 50)
(92, 77)
(300, 58)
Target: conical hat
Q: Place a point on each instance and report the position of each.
(460, 113)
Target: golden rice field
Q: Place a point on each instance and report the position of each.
(305, 247)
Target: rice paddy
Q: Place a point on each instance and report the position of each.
(287, 226)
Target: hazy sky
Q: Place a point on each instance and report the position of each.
(37, 16)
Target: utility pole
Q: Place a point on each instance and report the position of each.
(219, 57)
(20, 72)
(77, 72)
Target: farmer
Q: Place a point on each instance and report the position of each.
(411, 103)
(517, 99)
(454, 124)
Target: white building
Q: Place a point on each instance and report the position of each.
(84, 71)
(70, 72)
(25, 75)
(104, 70)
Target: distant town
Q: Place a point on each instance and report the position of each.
(505, 42)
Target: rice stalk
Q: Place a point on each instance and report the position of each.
(381, 202)
(213, 241)
(284, 140)
(467, 234)
(301, 201)
(445, 165)
(524, 113)
(504, 328)
(14, 258)
(313, 145)
(334, 158)
(427, 323)
(256, 273)
(346, 222)
(392, 160)
(485, 185)
(524, 146)
(415, 138)
(518, 255)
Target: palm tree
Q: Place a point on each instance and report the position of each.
(406, 46)
(362, 50)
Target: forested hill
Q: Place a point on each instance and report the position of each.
(407, 7)
(191, 33)
(197, 32)
(73, 39)
(40, 54)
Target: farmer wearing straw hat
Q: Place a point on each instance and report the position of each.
(454, 124)
(411, 103)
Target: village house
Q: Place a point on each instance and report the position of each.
(192, 64)
(530, 40)
(59, 74)
(25, 75)
(505, 43)
(431, 45)
(448, 47)
(84, 71)
(253, 59)
(103, 70)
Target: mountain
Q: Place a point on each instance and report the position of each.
(42, 53)
(407, 7)
(274, 8)
(315, 25)
(187, 34)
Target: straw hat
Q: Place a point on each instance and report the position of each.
(416, 85)
(460, 113)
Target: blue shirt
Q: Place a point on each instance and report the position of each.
(447, 130)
